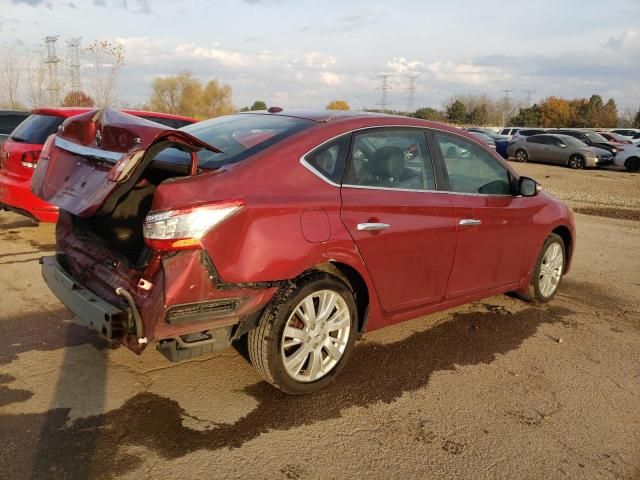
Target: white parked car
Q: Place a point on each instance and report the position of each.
(626, 132)
(628, 158)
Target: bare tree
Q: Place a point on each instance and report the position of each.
(105, 60)
(37, 81)
(10, 73)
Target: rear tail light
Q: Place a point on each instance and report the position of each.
(182, 229)
(30, 159)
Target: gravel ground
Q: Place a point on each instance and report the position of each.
(607, 193)
(496, 389)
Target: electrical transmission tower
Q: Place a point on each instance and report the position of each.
(411, 89)
(73, 52)
(52, 61)
(384, 88)
(529, 94)
(507, 104)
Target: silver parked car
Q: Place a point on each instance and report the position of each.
(558, 149)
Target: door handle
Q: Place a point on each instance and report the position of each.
(469, 222)
(369, 227)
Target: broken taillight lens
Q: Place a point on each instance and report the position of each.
(182, 229)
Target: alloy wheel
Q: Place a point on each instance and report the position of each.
(551, 269)
(315, 336)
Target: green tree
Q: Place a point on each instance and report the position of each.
(527, 117)
(337, 105)
(427, 113)
(258, 105)
(478, 115)
(457, 112)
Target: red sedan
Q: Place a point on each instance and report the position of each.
(302, 230)
(20, 153)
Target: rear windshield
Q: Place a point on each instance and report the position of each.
(36, 129)
(238, 136)
(595, 137)
(169, 122)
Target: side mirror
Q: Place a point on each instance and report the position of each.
(528, 187)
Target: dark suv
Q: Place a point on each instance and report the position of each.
(10, 119)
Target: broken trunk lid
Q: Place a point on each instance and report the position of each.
(100, 155)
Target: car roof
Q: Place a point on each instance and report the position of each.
(72, 111)
(13, 112)
(322, 116)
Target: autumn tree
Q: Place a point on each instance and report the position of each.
(554, 112)
(636, 120)
(77, 99)
(215, 100)
(337, 105)
(36, 81)
(184, 94)
(105, 61)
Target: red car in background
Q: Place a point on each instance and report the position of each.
(301, 230)
(19, 156)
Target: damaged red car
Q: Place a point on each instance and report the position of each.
(301, 230)
(20, 153)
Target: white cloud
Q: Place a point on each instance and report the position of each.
(402, 65)
(329, 78)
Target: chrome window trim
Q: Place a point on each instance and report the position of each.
(318, 174)
(87, 151)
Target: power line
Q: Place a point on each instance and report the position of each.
(52, 60)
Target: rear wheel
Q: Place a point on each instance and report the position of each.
(306, 334)
(522, 156)
(547, 274)
(576, 162)
(632, 164)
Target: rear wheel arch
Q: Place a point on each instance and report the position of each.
(354, 281)
(632, 164)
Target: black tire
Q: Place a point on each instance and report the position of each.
(576, 162)
(265, 341)
(533, 291)
(522, 156)
(632, 165)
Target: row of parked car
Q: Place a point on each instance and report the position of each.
(575, 148)
(22, 136)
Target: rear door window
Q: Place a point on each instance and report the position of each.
(36, 129)
(391, 158)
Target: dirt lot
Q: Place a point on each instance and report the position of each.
(496, 389)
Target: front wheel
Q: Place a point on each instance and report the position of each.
(306, 334)
(576, 162)
(632, 165)
(522, 156)
(548, 271)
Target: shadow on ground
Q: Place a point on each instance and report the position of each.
(90, 447)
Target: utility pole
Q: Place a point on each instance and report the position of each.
(52, 61)
(73, 52)
(506, 106)
(384, 88)
(411, 89)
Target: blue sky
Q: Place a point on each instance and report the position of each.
(302, 53)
